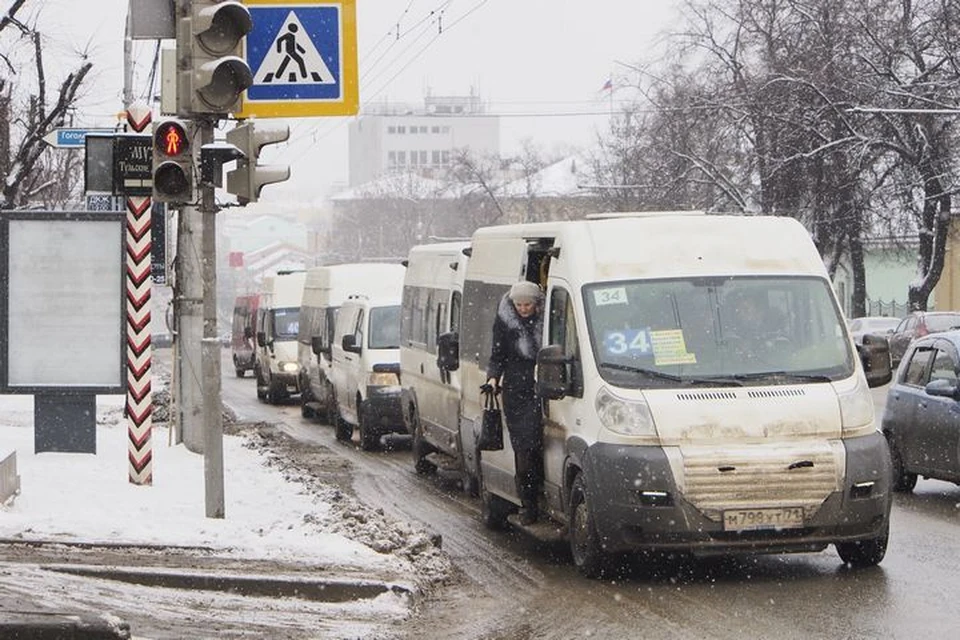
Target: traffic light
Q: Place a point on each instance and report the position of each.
(173, 164)
(211, 72)
(249, 177)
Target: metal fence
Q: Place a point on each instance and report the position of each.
(892, 309)
(9, 480)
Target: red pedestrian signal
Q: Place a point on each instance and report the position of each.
(173, 163)
(170, 138)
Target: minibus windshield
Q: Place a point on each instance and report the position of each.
(385, 328)
(722, 331)
(286, 323)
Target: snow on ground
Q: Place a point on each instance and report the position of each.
(272, 512)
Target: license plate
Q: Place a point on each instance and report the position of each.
(750, 519)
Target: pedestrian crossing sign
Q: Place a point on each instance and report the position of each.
(303, 55)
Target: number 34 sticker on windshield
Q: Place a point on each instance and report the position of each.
(610, 295)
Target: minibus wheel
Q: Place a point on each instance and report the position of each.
(493, 509)
(864, 553)
(343, 430)
(419, 448)
(369, 436)
(261, 388)
(588, 556)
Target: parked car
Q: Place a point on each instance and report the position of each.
(917, 325)
(922, 418)
(875, 325)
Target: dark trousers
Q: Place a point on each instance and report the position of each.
(529, 462)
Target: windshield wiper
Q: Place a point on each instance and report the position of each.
(647, 372)
(784, 375)
(671, 377)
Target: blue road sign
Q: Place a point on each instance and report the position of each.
(70, 137)
(303, 58)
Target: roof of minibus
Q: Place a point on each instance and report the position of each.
(331, 284)
(438, 265)
(651, 245)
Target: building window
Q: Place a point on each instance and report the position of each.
(435, 157)
(423, 129)
(414, 159)
(401, 129)
(444, 158)
(391, 130)
(423, 158)
(401, 158)
(445, 129)
(435, 129)
(392, 158)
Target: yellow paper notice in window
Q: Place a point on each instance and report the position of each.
(669, 348)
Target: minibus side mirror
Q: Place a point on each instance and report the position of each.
(248, 333)
(316, 345)
(875, 357)
(261, 339)
(448, 351)
(552, 373)
(349, 343)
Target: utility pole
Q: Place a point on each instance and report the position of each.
(210, 352)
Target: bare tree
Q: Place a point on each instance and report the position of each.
(25, 124)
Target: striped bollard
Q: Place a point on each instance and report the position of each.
(139, 404)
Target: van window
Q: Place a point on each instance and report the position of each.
(384, 328)
(765, 330)
(456, 303)
(563, 332)
(439, 324)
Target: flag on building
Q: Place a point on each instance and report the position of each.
(235, 259)
(608, 85)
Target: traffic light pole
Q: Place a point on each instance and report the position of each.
(189, 323)
(210, 352)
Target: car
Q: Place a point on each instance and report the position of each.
(916, 325)
(874, 325)
(921, 420)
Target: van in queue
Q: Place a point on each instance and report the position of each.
(325, 288)
(244, 333)
(366, 369)
(673, 420)
(278, 325)
(432, 303)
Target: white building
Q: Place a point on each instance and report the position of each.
(399, 137)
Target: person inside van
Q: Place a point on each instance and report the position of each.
(517, 335)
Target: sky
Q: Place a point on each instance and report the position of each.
(532, 60)
(79, 497)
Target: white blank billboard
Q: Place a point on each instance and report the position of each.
(65, 303)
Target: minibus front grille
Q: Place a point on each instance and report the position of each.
(759, 476)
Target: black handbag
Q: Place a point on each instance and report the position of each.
(491, 427)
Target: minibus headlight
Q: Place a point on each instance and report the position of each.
(383, 379)
(289, 367)
(626, 417)
(856, 410)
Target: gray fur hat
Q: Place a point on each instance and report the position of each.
(525, 291)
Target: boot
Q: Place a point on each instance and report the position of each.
(528, 515)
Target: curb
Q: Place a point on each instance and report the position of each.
(38, 625)
(258, 585)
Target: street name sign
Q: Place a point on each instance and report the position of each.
(133, 164)
(303, 55)
(70, 137)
